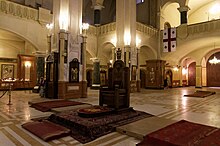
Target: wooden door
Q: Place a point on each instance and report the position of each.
(192, 74)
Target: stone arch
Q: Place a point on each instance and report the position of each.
(105, 52)
(170, 13)
(20, 37)
(27, 30)
(146, 53)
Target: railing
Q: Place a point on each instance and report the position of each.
(104, 29)
(208, 26)
(111, 27)
(14, 9)
(148, 30)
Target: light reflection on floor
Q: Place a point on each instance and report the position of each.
(169, 103)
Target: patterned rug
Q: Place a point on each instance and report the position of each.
(200, 94)
(183, 133)
(48, 105)
(87, 129)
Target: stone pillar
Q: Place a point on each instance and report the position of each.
(127, 56)
(183, 14)
(198, 76)
(125, 24)
(49, 43)
(84, 81)
(126, 29)
(63, 54)
(204, 76)
(97, 6)
(138, 71)
(113, 55)
(96, 74)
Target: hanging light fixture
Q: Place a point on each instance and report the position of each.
(214, 60)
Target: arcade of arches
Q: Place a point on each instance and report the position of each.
(196, 26)
(172, 45)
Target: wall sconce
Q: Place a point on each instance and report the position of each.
(111, 61)
(85, 26)
(27, 64)
(184, 71)
(49, 26)
(64, 54)
(176, 68)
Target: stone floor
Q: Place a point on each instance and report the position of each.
(169, 105)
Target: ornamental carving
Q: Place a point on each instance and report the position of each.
(18, 11)
(25, 12)
(3, 6)
(11, 9)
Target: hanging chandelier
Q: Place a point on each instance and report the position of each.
(214, 60)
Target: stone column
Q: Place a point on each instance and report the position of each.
(49, 43)
(63, 54)
(96, 74)
(198, 76)
(204, 76)
(84, 81)
(183, 14)
(127, 56)
(113, 55)
(138, 71)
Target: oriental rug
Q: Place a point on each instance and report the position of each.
(200, 94)
(48, 105)
(86, 129)
(46, 130)
(183, 133)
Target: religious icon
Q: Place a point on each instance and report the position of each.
(74, 70)
(74, 74)
(7, 71)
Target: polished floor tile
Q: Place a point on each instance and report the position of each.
(169, 104)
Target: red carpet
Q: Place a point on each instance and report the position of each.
(183, 133)
(47, 105)
(46, 130)
(200, 94)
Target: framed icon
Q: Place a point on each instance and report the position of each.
(7, 71)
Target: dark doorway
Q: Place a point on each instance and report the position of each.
(192, 74)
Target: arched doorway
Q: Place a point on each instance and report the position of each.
(192, 74)
(213, 76)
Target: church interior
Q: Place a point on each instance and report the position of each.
(109, 72)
